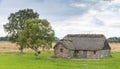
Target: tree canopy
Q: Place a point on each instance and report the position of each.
(4, 38)
(26, 29)
(17, 23)
(114, 39)
(37, 34)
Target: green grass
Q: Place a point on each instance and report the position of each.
(47, 61)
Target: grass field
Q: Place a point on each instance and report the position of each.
(47, 61)
(10, 58)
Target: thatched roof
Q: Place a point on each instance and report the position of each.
(84, 41)
(67, 44)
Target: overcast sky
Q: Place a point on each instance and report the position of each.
(70, 16)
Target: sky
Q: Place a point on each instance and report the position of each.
(70, 16)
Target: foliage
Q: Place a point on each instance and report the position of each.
(17, 23)
(38, 33)
(3, 38)
(27, 61)
(114, 39)
(56, 39)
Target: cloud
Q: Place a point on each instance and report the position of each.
(71, 16)
(97, 20)
(2, 32)
(91, 4)
(79, 5)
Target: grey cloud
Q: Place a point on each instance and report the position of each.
(98, 22)
(114, 8)
(115, 25)
(57, 8)
(92, 4)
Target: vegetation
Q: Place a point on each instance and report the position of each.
(38, 33)
(17, 23)
(114, 39)
(47, 61)
(56, 39)
(3, 38)
(25, 29)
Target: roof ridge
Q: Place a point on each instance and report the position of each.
(85, 35)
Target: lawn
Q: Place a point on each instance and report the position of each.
(47, 61)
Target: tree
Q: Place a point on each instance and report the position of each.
(38, 33)
(114, 39)
(56, 39)
(3, 38)
(17, 23)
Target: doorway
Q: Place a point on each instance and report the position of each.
(76, 53)
(84, 53)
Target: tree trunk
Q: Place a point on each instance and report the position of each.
(43, 48)
(21, 51)
(37, 54)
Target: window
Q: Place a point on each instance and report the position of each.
(76, 51)
(61, 50)
(94, 52)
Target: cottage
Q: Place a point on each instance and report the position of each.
(82, 46)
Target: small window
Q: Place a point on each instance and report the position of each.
(94, 52)
(61, 50)
(77, 51)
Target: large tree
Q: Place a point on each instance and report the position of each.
(17, 23)
(38, 33)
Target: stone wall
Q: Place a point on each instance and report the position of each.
(79, 54)
(93, 54)
(105, 53)
(65, 53)
(90, 54)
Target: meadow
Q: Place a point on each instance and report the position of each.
(12, 59)
(47, 61)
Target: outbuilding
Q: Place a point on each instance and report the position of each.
(92, 46)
